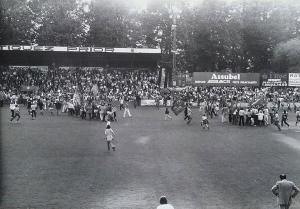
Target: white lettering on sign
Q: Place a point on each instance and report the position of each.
(294, 79)
(76, 49)
(227, 77)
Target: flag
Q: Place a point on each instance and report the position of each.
(260, 101)
(178, 106)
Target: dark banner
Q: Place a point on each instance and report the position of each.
(178, 106)
(274, 79)
(226, 79)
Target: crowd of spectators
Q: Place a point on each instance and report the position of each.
(108, 84)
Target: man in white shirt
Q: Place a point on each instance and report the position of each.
(121, 102)
(12, 108)
(242, 116)
(126, 110)
(266, 116)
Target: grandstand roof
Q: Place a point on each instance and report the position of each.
(79, 56)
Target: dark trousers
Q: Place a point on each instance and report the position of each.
(83, 115)
(1, 103)
(241, 120)
(255, 119)
(248, 120)
(121, 106)
(276, 123)
(230, 118)
(90, 116)
(16, 115)
(33, 113)
(72, 112)
(284, 121)
(12, 113)
(234, 121)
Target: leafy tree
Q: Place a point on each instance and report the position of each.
(108, 23)
(16, 26)
(287, 57)
(58, 23)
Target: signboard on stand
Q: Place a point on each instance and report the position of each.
(274, 79)
(294, 79)
(226, 79)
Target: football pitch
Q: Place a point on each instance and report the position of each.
(63, 162)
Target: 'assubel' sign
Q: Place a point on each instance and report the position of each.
(226, 79)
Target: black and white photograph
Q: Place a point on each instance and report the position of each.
(153, 104)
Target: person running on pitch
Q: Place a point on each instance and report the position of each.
(205, 122)
(189, 113)
(109, 137)
(284, 118)
(297, 116)
(16, 113)
(276, 121)
(167, 114)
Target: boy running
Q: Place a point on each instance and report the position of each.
(205, 122)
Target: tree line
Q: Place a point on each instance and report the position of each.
(211, 35)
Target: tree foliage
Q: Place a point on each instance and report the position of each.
(236, 36)
(287, 57)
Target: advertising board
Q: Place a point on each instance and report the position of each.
(226, 79)
(274, 79)
(294, 79)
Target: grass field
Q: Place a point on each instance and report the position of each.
(63, 162)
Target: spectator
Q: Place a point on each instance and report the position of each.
(164, 203)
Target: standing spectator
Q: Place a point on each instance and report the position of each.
(266, 116)
(260, 117)
(109, 137)
(248, 117)
(164, 203)
(57, 107)
(224, 113)
(12, 108)
(121, 102)
(242, 115)
(41, 105)
(234, 117)
(126, 110)
(283, 189)
(33, 110)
